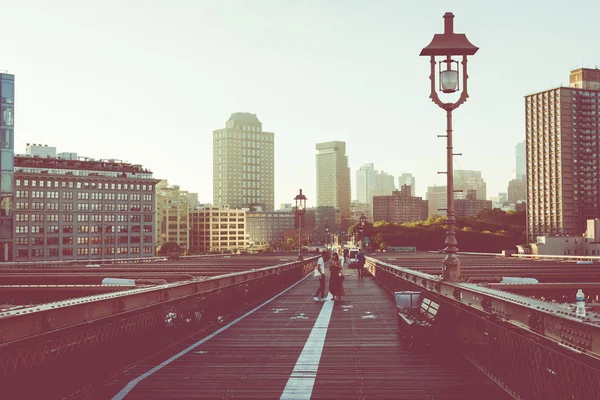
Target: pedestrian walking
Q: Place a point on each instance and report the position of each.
(320, 274)
(361, 263)
(336, 285)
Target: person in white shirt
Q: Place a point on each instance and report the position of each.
(320, 273)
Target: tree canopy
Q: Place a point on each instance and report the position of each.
(490, 231)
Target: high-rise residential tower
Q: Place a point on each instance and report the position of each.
(563, 167)
(365, 183)
(407, 179)
(333, 178)
(521, 159)
(7, 155)
(243, 164)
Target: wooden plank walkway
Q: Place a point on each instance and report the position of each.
(361, 357)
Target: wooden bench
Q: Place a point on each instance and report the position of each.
(415, 324)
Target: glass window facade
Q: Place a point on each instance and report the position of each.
(7, 152)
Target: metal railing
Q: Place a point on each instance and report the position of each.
(531, 348)
(67, 345)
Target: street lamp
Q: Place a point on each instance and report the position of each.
(300, 210)
(448, 45)
(362, 221)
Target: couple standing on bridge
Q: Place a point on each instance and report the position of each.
(336, 278)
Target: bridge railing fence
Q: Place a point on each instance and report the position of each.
(533, 349)
(66, 346)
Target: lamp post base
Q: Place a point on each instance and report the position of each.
(451, 268)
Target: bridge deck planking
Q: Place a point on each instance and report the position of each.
(362, 356)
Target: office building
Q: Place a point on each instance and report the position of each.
(7, 152)
(172, 215)
(333, 178)
(521, 161)
(471, 206)
(517, 190)
(243, 164)
(384, 184)
(358, 209)
(437, 200)
(365, 183)
(82, 210)
(563, 137)
(466, 180)
(218, 230)
(265, 227)
(399, 207)
(409, 180)
(40, 150)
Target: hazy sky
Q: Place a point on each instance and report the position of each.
(148, 81)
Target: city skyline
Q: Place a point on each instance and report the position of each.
(111, 85)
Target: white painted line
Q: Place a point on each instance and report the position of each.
(301, 382)
(125, 391)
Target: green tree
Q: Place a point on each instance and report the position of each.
(169, 248)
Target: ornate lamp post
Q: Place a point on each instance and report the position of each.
(448, 45)
(362, 220)
(300, 210)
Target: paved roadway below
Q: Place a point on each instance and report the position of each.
(362, 357)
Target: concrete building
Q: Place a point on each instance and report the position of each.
(265, 227)
(217, 229)
(466, 180)
(517, 190)
(82, 210)
(521, 161)
(399, 207)
(471, 206)
(172, 215)
(563, 168)
(358, 209)
(587, 244)
(244, 164)
(365, 183)
(409, 180)
(333, 178)
(436, 200)
(384, 184)
(67, 156)
(286, 207)
(40, 150)
(7, 152)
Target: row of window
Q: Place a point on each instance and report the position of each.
(81, 185)
(81, 218)
(40, 194)
(83, 251)
(81, 240)
(23, 229)
(39, 205)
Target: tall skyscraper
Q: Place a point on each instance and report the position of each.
(407, 179)
(333, 178)
(521, 158)
(243, 165)
(7, 168)
(563, 167)
(365, 183)
(466, 180)
(384, 184)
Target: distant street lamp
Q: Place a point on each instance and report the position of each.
(362, 221)
(300, 210)
(448, 45)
